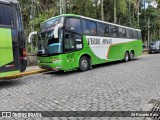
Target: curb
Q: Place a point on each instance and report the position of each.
(23, 74)
(145, 54)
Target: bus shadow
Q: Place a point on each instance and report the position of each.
(113, 63)
(62, 73)
(9, 83)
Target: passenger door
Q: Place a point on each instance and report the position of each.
(72, 41)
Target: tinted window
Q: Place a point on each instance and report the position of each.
(69, 42)
(86, 27)
(128, 35)
(102, 29)
(131, 33)
(89, 27)
(122, 32)
(93, 28)
(139, 35)
(49, 25)
(135, 34)
(113, 31)
(6, 15)
(73, 24)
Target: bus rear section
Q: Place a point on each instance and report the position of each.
(12, 46)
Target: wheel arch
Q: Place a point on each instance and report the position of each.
(126, 51)
(84, 54)
(132, 51)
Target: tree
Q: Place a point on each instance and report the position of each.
(102, 10)
(115, 11)
(123, 12)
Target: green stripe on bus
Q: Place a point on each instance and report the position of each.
(5, 74)
(6, 48)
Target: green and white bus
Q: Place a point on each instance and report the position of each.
(12, 43)
(68, 42)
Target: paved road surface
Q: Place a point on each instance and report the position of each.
(115, 86)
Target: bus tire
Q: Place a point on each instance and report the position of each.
(23, 66)
(131, 56)
(126, 56)
(84, 63)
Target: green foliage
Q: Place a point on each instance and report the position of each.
(126, 13)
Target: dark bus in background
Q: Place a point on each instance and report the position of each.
(12, 43)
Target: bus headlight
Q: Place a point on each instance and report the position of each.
(59, 67)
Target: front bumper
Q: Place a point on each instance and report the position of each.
(154, 50)
(49, 68)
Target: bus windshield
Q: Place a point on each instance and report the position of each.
(48, 44)
(49, 25)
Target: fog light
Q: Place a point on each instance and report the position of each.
(58, 67)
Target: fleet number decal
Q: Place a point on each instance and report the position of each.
(70, 55)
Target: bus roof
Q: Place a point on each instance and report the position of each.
(74, 15)
(9, 1)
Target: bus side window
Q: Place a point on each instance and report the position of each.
(122, 32)
(69, 42)
(131, 33)
(113, 31)
(86, 26)
(93, 28)
(6, 15)
(73, 24)
(139, 36)
(135, 34)
(128, 34)
(89, 27)
(102, 29)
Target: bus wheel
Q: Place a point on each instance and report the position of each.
(84, 63)
(126, 57)
(131, 56)
(23, 66)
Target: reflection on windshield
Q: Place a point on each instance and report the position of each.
(48, 44)
(49, 25)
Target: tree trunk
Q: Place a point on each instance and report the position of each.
(129, 13)
(115, 12)
(102, 10)
(64, 6)
(159, 33)
(138, 9)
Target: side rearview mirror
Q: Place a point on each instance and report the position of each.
(56, 30)
(31, 35)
